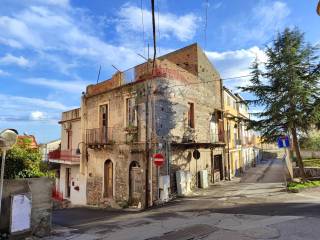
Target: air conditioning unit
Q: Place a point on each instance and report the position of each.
(67, 125)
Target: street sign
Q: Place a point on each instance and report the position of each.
(196, 154)
(158, 159)
(283, 142)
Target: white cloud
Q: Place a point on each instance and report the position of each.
(37, 115)
(217, 5)
(19, 103)
(4, 73)
(257, 26)
(48, 30)
(67, 86)
(60, 3)
(10, 42)
(10, 59)
(182, 27)
(26, 109)
(236, 63)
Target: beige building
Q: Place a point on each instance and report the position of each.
(242, 150)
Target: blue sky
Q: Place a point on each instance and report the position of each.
(50, 50)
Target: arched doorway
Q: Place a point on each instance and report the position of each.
(135, 183)
(108, 179)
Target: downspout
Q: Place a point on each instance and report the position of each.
(228, 147)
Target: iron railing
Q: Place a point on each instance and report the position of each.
(64, 156)
(103, 136)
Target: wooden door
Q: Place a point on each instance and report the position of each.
(108, 179)
(135, 185)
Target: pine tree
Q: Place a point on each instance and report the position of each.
(288, 90)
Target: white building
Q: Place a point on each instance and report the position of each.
(70, 184)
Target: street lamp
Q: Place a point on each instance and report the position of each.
(318, 8)
(8, 138)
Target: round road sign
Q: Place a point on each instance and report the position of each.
(196, 154)
(158, 159)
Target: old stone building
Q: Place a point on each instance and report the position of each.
(172, 106)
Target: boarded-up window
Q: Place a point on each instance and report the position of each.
(131, 111)
(191, 115)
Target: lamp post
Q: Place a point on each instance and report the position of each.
(8, 138)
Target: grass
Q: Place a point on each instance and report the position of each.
(313, 162)
(295, 186)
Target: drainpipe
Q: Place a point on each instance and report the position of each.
(228, 146)
(147, 148)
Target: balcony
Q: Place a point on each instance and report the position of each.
(102, 136)
(64, 156)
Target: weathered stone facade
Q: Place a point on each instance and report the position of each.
(121, 141)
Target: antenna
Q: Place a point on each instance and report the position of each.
(140, 55)
(115, 68)
(99, 74)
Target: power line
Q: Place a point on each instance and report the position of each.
(206, 24)
(216, 80)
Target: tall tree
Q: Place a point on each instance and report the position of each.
(287, 89)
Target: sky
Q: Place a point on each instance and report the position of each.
(51, 50)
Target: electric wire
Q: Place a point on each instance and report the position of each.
(206, 23)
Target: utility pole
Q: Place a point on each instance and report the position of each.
(147, 147)
(154, 34)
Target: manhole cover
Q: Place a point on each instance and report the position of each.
(192, 232)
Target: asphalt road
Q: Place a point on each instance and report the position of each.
(253, 207)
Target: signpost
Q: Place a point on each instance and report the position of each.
(158, 160)
(284, 142)
(196, 156)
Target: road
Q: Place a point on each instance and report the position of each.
(253, 207)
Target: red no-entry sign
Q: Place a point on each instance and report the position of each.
(158, 159)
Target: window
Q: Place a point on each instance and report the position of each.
(228, 100)
(234, 104)
(69, 136)
(131, 112)
(104, 123)
(235, 134)
(191, 115)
